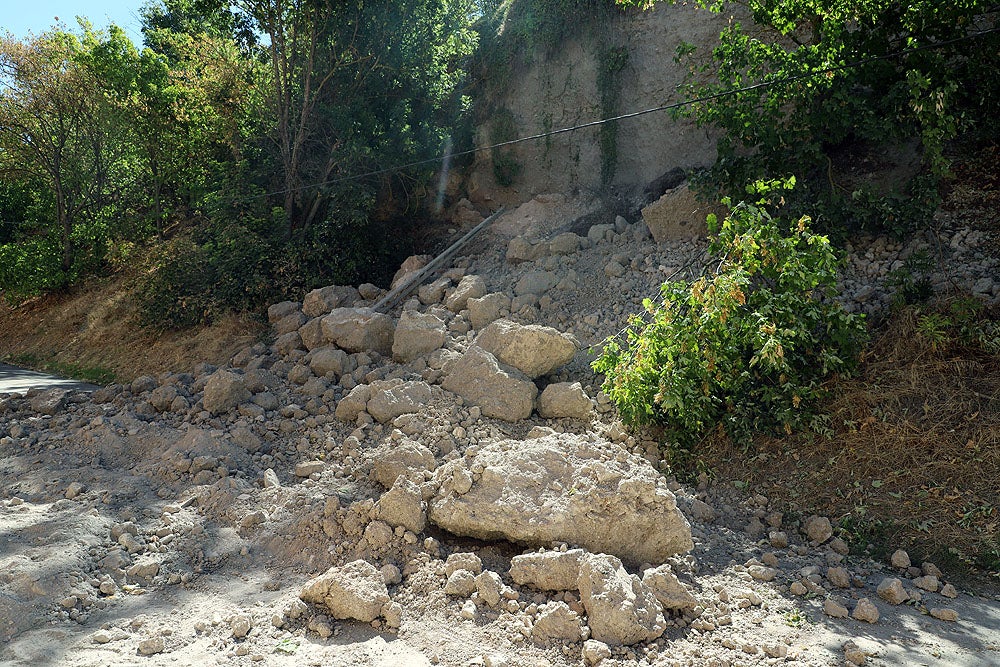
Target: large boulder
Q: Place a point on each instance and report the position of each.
(565, 399)
(470, 287)
(224, 391)
(402, 505)
(408, 458)
(500, 391)
(561, 488)
(487, 309)
(323, 300)
(621, 610)
(359, 330)
(311, 334)
(50, 401)
(547, 570)
(355, 591)
(532, 349)
(678, 215)
(668, 589)
(394, 398)
(330, 360)
(417, 334)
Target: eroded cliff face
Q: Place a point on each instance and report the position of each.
(565, 90)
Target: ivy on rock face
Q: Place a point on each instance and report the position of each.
(749, 345)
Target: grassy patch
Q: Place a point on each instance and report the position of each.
(94, 374)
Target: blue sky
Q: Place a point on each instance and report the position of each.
(23, 16)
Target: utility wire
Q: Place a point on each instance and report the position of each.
(626, 116)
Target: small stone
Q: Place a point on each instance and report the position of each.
(778, 539)
(797, 588)
(865, 611)
(943, 614)
(818, 529)
(834, 609)
(839, 577)
(151, 646)
(240, 625)
(468, 610)
(307, 468)
(594, 652)
(461, 583)
(891, 590)
(775, 650)
(762, 573)
(931, 570)
(101, 637)
(927, 582)
(853, 653)
(949, 591)
(900, 559)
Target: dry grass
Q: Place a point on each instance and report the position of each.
(914, 457)
(94, 326)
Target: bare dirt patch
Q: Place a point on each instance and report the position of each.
(94, 326)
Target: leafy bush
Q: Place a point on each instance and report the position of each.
(748, 345)
(849, 82)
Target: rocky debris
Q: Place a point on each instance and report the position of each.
(678, 215)
(601, 499)
(621, 610)
(463, 561)
(434, 292)
(469, 287)
(352, 405)
(900, 559)
(928, 583)
(668, 589)
(151, 645)
(409, 458)
(501, 391)
(393, 398)
(356, 590)
(943, 614)
(865, 611)
(948, 591)
(557, 622)
(359, 330)
(331, 361)
(891, 590)
(402, 505)
(50, 402)
(224, 391)
(321, 301)
(594, 652)
(279, 311)
(417, 334)
(818, 529)
(460, 583)
(410, 265)
(834, 609)
(547, 570)
(487, 309)
(534, 350)
(565, 399)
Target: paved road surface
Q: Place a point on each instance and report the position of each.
(14, 380)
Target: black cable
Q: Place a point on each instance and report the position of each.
(627, 116)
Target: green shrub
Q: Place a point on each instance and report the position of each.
(749, 345)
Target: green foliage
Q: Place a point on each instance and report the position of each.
(840, 92)
(612, 61)
(749, 345)
(964, 322)
(503, 127)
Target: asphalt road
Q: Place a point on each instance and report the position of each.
(14, 380)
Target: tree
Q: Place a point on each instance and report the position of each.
(54, 129)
